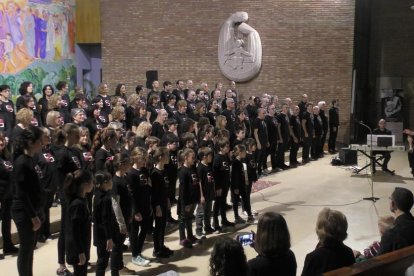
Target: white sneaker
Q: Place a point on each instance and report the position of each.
(139, 260)
(126, 242)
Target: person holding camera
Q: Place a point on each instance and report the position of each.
(272, 243)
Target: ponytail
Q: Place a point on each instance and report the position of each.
(72, 186)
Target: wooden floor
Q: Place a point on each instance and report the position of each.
(298, 195)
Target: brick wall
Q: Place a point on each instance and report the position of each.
(307, 45)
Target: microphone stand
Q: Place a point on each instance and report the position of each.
(372, 197)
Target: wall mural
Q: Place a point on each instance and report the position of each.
(37, 42)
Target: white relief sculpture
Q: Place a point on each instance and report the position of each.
(239, 48)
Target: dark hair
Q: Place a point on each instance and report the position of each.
(44, 90)
(79, 96)
(159, 153)
(139, 88)
(178, 81)
(118, 89)
(30, 134)
(172, 138)
(6, 153)
(115, 163)
(4, 87)
(61, 84)
(249, 142)
(72, 186)
(203, 152)
(169, 122)
(272, 236)
(101, 177)
(171, 97)
(166, 83)
(222, 142)
(403, 199)
(228, 258)
(23, 87)
(26, 99)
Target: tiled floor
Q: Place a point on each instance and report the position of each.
(299, 195)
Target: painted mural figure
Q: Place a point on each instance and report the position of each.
(8, 50)
(3, 30)
(29, 34)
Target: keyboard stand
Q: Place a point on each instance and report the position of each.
(373, 160)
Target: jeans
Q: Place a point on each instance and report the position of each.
(203, 215)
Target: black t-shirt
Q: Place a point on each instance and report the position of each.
(64, 109)
(103, 217)
(78, 230)
(317, 125)
(159, 188)
(47, 164)
(221, 170)
(284, 126)
(67, 160)
(6, 169)
(179, 94)
(205, 174)
(101, 156)
(308, 117)
(139, 184)
(154, 112)
(157, 130)
(231, 120)
(171, 110)
(272, 128)
(262, 133)
(7, 117)
(251, 163)
(296, 127)
(107, 107)
(121, 192)
(189, 189)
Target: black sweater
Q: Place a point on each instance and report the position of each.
(205, 174)
(28, 194)
(281, 265)
(104, 221)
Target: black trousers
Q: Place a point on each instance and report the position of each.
(27, 239)
(138, 233)
(103, 258)
(387, 158)
(281, 148)
(219, 207)
(273, 154)
(323, 141)
(5, 212)
(293, 156)
(61, 239)
(172, 186)
(117, 262)
(159, 229)
(261, 159)
(245, 198)
(307, 142)
(411, 161)
(316, 146)
(332, 138)
(80, 270)
(186, 222)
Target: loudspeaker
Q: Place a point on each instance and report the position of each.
(349, 157)
(151, 76)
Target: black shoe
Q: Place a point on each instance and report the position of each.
(172, 220)
(125, 247)
(209, 230)
(160, 254)
(227, 223)
(167, 251)
(217, 228)
(41, 239)
(10, 250)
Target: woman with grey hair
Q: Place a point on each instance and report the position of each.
(330, 253)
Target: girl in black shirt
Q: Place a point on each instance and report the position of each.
(160, 202)
(27, 206)
(104, 221)
(78, 227)
(140, 187)
(121, 204)
(108, 139)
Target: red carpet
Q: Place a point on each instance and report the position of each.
(263, 184)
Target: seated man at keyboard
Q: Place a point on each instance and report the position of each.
(381, 130)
